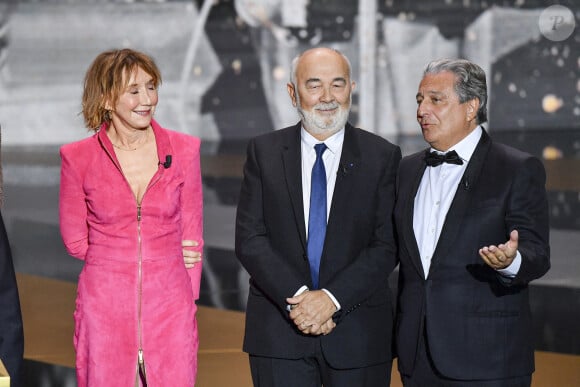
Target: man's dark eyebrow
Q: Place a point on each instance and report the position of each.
(430, 93)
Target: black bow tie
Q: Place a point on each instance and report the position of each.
(433, 159)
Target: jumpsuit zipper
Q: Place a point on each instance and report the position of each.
(140, 357)
(140, 352)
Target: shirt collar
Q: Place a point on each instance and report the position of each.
(333, 143)
(466, 147)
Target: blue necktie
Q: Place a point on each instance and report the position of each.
(317, 214)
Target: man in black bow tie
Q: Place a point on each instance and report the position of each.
(314, 231)
(472, 224)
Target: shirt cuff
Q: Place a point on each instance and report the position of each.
(512, 270)
(334, 300)
(302, 289)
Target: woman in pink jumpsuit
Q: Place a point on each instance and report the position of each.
(129, 195)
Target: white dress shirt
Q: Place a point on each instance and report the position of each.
(436, 192)
(331, 158)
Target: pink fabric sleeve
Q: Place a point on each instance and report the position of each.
(72, 208)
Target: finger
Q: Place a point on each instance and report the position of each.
(512, 244)
(189, 243)
(498, 262)
(328, 329)
(490, 259)
(313, 330)
(486, 250)
(296, 299)
(514, 236)
(192, 258)
(485, 254)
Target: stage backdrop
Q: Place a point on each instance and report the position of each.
(225, 63)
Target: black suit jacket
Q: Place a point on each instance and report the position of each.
(358, 256)
(11, 334)
(478, 324)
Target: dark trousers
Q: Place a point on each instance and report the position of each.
(426, 375)
(314, 371)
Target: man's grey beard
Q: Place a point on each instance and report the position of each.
(318, 125)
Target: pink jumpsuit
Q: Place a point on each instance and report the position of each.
(135, 297)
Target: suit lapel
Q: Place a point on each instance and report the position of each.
(292, 162)
(347, 170)
(417, 170)
(461, 201)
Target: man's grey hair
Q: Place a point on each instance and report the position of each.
(470, 81)
(294, 65)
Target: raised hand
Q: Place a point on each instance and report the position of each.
(501, 256)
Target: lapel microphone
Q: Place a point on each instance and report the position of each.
(464, 183)
(167, 162)
(344, 169)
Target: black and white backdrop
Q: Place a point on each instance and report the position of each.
(225, 65)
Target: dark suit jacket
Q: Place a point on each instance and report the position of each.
(478, 323)
(11, 335)
(359, 250)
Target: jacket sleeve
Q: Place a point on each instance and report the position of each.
(72, 207)
(11, 331)
(255, 250)
(528, 213)
(192, 209)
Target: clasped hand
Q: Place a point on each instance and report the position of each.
(312, 311)
(190, 257)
